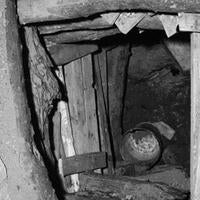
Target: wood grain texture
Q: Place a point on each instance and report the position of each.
(78, 36)
(30, 11)
(84, 163)
(90, 103)
(195, 116)
(117, 60)
(149, 22)
(82, 105)
(44, 85)
(84, 24)
(123, 188)
(101, 80)
(65, 53)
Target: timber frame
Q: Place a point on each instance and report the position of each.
(33, 12)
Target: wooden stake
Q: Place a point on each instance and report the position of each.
(148, 22)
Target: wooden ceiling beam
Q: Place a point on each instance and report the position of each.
(149, 23)
(32, 11)
(79, 36)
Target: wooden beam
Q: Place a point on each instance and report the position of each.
(78, 36)
(30, 11)
(84, 162)
(127, 188)
(149, 22)
(65, 53)
(85, 24)
(195, 116)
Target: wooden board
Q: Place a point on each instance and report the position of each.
(100, 68)
(195, 116)
(30, 11)
(82, 105)
(148, 22)
(86, 24)
(65, 53)
(78, 36)
(84, 162)
(117, 60)
(127, 188)
(90, 104)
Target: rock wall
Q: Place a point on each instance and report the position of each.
(22, 176)
(158, 89)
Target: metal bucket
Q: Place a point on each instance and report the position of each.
(141, 145)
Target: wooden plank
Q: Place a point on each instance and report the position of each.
(65, 53)
(117, 60)
(100, 67)
(127, 188)
(195, 116)
(90, 104)
(82, 105)
(148, 22)
(30, 11)
(77, 36)
(74, 86)
(189, 22)
(84, 162)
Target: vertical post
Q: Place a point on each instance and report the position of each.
(195, 116)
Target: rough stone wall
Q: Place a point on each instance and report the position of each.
(156, 91)
(25, 177)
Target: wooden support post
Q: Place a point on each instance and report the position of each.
(195, 116)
